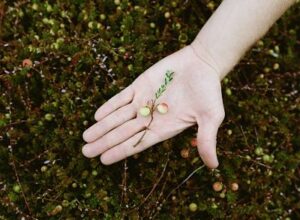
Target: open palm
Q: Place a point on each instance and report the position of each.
(193, 96)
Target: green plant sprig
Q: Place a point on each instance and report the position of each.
(162, 88)
(158, 93)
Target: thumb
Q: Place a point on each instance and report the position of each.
(206, 142)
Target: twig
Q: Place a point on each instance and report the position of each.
(19, 183)
(186, 179)
(159, 196)
(243, 157)
(10, 149)
(147, 127)
(159, 179)
(26, 163)
(14, 123)
(245, 138)
(6, 202)
(124, 188)
(240, 156)
(153, 188)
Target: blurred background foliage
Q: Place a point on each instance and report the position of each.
(61, 60)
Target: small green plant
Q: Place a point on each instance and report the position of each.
(151, 104)
(162, 88)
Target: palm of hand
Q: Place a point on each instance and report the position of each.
(193, 96)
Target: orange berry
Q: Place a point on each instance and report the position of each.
(162, 108)
(234, 186)
(185, 153)
(27, 63)
(194, 142)
(217, 186)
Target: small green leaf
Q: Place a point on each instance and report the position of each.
(168, 78)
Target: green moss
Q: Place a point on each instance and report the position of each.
(84, 52)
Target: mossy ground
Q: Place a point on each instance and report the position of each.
(84, 52)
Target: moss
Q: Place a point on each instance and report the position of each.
(84, 52)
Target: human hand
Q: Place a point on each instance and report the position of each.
(193, 96)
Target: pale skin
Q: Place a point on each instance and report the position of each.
(194, 95)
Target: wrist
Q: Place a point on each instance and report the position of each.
(203, 53)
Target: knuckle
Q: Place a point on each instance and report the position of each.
(130, 112)
(130, 126)
(126, 93)
(125, 151)
(131, 91)
(101, 127)
(119, 118)
(116, 118)
(135, 107)
(141, 123)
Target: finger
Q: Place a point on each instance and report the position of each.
(114, 137)
(117, 101)
(206, 143)
(111, 121)
(126, 148)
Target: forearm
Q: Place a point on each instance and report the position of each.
(233, 28)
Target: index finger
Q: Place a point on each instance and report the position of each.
(117, 101)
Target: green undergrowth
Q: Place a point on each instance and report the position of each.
(84, 52)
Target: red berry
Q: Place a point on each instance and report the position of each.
(194, 142)
(27, 63)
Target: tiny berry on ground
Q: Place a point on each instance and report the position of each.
(167, 14)
(17, 188)
(49, 117)
(102, 16)
(193, 142)
(65, 203)
(214, 205)
(229, 132)
(27, 63)
(258, 151)
(228, 92)
(185, 153)
(94, 173)
(267, 158)
(217, 186)
(193, 207)
(234, 186)
(152, 25)
(222, 195)
(44, 168)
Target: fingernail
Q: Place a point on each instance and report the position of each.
(85, 151)
(85, 136)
